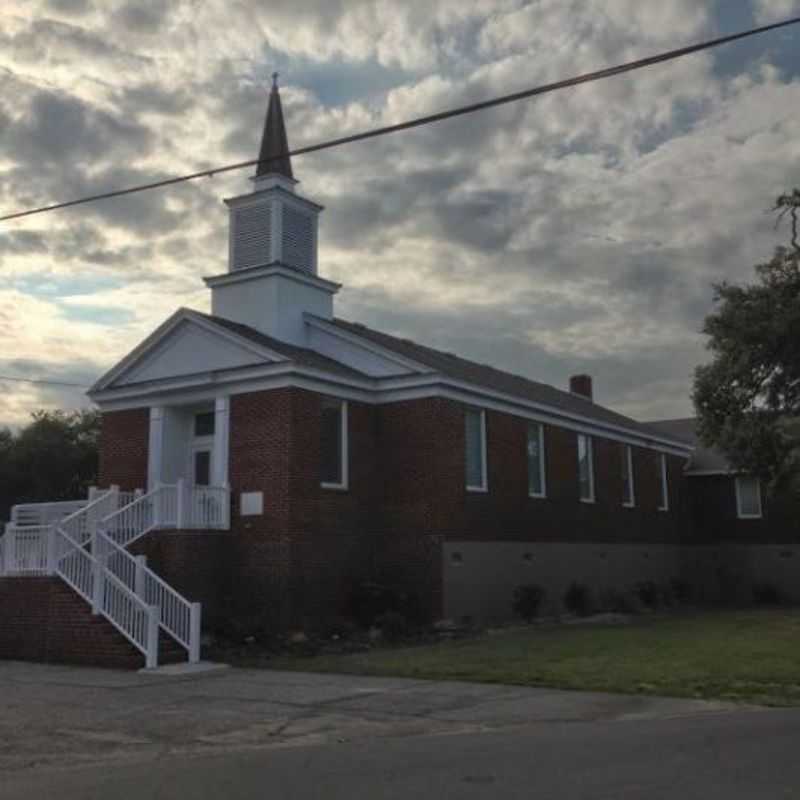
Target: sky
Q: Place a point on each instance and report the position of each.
(577, 232)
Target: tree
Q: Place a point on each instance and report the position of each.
(748, 397)
(55, 457)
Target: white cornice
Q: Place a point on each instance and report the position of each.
(380, 391)
(269, 270)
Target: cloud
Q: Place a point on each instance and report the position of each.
(580, 231)
(768, 11)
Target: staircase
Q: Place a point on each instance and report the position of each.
(84, 544)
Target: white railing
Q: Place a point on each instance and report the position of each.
(130, 615)
(25, 551)
(207, 508)
(178, 617)
(37, 514)
(81, 525)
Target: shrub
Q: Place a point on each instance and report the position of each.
(338, 628)
(648, 593)
(394, 626)
(621, 602)
(681, 590)
(527, 600)
(767, 594)
(369, 601)
(578, 599)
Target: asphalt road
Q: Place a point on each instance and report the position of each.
(81, 733)
(727, 755)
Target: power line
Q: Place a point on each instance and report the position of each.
(42, 382)
(590, 77)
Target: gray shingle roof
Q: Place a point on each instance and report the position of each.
(704, 459)
(483, 375)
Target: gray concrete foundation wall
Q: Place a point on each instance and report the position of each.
(479, 578)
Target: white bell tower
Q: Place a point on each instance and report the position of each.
(272, 253)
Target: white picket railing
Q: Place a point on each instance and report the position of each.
(24, 550)
(178, 617)
(130, 615)
(206, 508)
(37, 514)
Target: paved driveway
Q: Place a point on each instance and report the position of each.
(53, 717)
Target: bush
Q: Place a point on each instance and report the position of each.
(527, 600)
(681, 590)
(648, 594)
(621, 602)
(578, 599)
(369, 601)
(767, 594)
(338, 628)
(394, 626)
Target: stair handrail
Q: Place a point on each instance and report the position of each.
(81, 524)
(179, 617)
(108, 596)
(156, 508)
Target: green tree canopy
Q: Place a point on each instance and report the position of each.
(54, 457)
(748, 397)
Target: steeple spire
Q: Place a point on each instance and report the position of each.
(274, 144)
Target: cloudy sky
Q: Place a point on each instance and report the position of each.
(577, 232)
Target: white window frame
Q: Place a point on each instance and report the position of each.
(344, 449)
(739, 513)
(631, 482)
(543, 493)
(484, 487)
(590, 458)
(662, 469)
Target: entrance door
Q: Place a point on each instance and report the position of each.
(201, 465)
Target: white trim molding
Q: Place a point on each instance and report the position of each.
(344, 448)
(542, 493)
(483, 487)
(664, 479)
(628, 466)
(740, 515)
(589, 447)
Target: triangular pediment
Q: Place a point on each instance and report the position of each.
(186, 345)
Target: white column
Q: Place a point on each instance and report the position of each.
(219, 473)
(155, 452)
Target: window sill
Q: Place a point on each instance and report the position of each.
(749, 516)
(629, 505)
(663, 509)
(478, 489)
(335, 487)
(588, 500)
(537, 496)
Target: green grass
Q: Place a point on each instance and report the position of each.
(751, 656)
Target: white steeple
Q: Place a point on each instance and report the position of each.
(272, 254)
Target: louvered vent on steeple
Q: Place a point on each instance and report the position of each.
(251, 236)
(298, 239)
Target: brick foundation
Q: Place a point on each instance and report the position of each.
(42, 619)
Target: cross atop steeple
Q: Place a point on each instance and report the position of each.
(272, 157)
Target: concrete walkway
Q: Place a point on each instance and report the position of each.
(61, 717)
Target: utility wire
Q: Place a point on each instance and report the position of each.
(42, 382)
(602, 74)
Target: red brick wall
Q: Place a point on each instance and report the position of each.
(43, 619)
(124, 442)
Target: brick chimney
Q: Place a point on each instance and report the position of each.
(582, 385)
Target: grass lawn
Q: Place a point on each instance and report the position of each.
(748, 656)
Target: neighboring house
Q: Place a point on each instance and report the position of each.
(283, 455)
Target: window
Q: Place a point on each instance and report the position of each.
(748, 497)
(536, 474)
(585, 469)
(333, 444)
(204, 424)
(662, 468)
(475, 439)
(628, 490)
